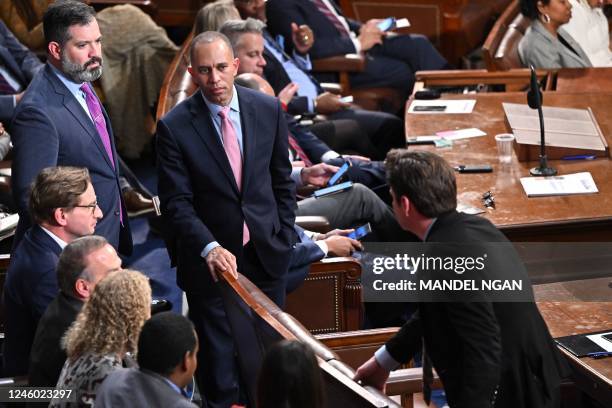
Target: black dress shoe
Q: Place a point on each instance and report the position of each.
(136, 204)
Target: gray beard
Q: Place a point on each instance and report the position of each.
(79, 73)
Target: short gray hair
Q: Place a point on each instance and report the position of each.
(72, 266)
(235, 29)
(208, 37)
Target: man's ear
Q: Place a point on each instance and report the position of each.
(54, 50)
(190, 70)
(59, 215)
(82, 289)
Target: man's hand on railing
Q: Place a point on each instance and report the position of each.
(221, 260)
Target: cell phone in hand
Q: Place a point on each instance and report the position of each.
(360, 232)
(336, 177)
(347, 99)
(387, 24)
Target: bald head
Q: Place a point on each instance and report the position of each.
(254, 81)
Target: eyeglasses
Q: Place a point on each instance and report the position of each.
(93, 206)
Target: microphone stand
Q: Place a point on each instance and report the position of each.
(534, 99)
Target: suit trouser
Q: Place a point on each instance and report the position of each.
(353, 208)
(218, 371)
(384, 130)
(394, 62)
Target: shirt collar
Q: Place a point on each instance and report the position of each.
(433, 221)
(215, 109)
(54, 237)
(73, 87)
(173, 386)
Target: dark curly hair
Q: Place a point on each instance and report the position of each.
(529, 8)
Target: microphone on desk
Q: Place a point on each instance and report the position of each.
(534, 100)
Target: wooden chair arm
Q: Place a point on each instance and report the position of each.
(350, 266)
(313, 223)
(510, 78)
(347, 62)
(357, 338)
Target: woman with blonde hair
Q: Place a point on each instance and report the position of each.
(212, 16)
(104, 334)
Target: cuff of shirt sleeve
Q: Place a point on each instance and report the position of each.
(329, 155)
(323, 245)
(357, 45)
(384, 359)
(14, 100)
(209, 248)
(296, 176)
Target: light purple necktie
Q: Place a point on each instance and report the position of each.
(95, 110)
(232, 150)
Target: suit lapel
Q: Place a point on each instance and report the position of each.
(75, 108)
(249, 126)
(202, 123)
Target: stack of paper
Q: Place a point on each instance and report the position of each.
(578, 183)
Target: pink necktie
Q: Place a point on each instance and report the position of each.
(232, 150)
(95, 110)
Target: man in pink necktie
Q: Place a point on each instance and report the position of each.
(228, 201)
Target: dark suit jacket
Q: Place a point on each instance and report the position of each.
(304, 252)
(50, 128)
(199, 196)
(47, 356)
(20, 62)
(311, 144)
(328, 41)
(30, 286)
(132, 387)
(476, 347)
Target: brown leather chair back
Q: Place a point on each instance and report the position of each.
(177, 84)
(500, 49)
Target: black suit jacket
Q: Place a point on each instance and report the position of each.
(31, 284)
(51, 128)
(47, 356)
(328, 41)
(200, 200)
(20, 62)
(477, 348)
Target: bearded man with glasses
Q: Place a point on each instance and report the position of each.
(63, 207)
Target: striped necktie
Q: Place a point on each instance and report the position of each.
(5, 87)
(322, 7)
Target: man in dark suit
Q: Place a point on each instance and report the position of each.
(18, 65)
(64, 207)
(487, 353)
(60, 121)
(82, 264)
(287, 74)
(227, 196)
(167, 349)
(391, 61)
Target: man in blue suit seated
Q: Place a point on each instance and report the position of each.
(61, 122)
(391, 60)
(82, 264)
(64, 207)
(18, 65)
(228, 200)
(167, 349)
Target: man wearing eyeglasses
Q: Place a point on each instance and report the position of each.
(63, 206)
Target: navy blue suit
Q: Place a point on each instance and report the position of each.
(304, 253)
(51, 128)
(20, 62)
(31, 284)
(391, 64)
(201, 203)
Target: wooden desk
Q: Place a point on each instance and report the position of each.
(552, 219)
(565, 314)
(584, 80)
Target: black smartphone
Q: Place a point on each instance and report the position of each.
(333, 189)
(360, 232)
(431, 108)
(336, 177)
(608, 337)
